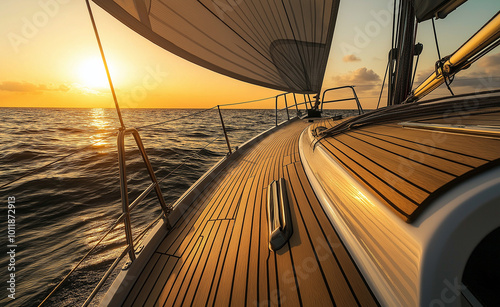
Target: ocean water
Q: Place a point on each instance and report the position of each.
(62, 210)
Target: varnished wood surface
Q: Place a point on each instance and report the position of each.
(405, 167)
(218, 254)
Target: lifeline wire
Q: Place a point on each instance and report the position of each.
(105, 65)
(113, 225)
(383, 83)
(34, 171)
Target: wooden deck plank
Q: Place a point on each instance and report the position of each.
(312, 287)
(228, 271)
(156, 282)
(428, 145)
(248, 170)
(220, 264)
(386, 184)
(243, 266)
(461, 144)
(182, 228)
(200, 293)
(256, 245)
(187, 291)
(421, 156)
(266, 267)
(284, 290)
(145, 276)
(406, 167)
(423, 177)
(240, 277)
(169, 287)
(330, 247)
(261, 267)
(226, 179)
(220, 199)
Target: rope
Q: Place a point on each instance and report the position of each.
(383, 83)
(440, 61)
(414, 72)
(105, 65)
(175, 119)
(203, 111)
(244, 102)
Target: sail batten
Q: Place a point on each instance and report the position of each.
(280, 44)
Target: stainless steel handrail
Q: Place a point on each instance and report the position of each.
(123, 184)
(360, 109)
(224, 130)
(296, 105)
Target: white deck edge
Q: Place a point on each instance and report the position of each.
(446, 233)
(125, 280)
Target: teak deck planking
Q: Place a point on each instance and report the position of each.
(406, 167)
(219, 255)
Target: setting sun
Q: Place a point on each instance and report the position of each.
(92, 74)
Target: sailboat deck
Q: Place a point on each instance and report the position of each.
(405, 167)
(218, 253)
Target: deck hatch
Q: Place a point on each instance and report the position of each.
(278, 212)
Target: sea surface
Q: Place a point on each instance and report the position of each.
(68, 193)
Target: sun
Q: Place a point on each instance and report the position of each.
(92, 74)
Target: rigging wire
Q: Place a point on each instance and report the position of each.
(417, 48)
(105, 64)
(244, 102)
(118, 220)
(175, 119)
(447, 79)
(37, 170)
(383, 83)
(414, 71)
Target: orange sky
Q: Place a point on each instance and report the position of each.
(50, 58)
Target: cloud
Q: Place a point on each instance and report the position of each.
(27, 87)
(22, 87)
(351, 58)
(361, 76)
(490, 64)
(483, 75)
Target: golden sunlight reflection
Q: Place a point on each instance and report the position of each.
(94, 234)
(102, 126)
(113, 243)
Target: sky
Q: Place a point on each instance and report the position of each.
(50, 58)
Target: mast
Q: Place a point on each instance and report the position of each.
(401, 57)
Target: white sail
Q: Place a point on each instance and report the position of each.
(280, 44)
